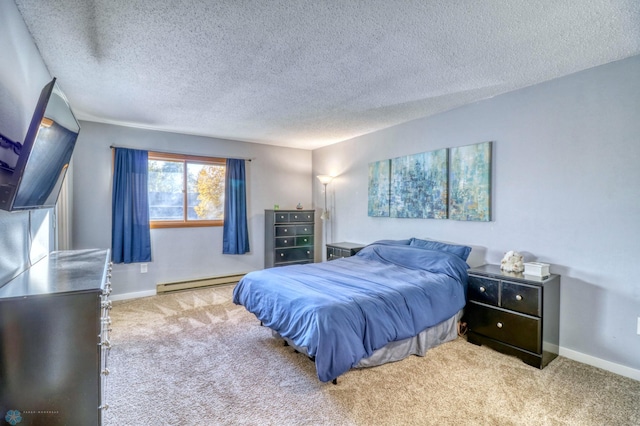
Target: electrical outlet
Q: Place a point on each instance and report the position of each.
(143, 268)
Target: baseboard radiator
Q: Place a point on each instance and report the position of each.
(203, 282)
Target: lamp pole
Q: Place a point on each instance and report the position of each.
(325, 179)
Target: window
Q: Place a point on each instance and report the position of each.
(185, 190)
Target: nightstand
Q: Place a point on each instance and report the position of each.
(515, 314)
(340, 250)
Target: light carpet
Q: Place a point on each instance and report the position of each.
(195, 358)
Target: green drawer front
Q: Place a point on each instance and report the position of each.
(305, 240)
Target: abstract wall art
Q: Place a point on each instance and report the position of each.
(419, 185)
(379, 184)
(470, 182)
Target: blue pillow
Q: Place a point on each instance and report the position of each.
(461, 251)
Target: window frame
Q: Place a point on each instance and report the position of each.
(184, 158)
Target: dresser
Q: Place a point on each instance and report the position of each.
(54, 339)
(340, 250)
(515, 314)
(288, 238)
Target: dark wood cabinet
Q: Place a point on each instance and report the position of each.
(54, 340)
(340, 250)
(514, 313)
(288, 238)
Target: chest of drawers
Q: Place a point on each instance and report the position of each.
(514, 314)
(288, 237)
(54, 339)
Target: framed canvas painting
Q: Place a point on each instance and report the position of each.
(419, 185)
(379, 175)
(470, 182)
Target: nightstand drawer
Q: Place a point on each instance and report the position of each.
(483, 290)
(521, 298)
(513, 329)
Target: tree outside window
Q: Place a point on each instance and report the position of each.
(185, 190)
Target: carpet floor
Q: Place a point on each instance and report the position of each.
(195, 358)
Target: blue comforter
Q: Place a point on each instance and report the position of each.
(345, 309)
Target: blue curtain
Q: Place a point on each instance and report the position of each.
(130, 236)
(236, 233)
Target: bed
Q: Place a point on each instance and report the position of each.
(390, 300)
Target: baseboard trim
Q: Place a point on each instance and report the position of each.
(204, 282)
(622, 370)
(134, 295)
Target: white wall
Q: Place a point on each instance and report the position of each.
(566, 182)
(275, 176)
(25, 237)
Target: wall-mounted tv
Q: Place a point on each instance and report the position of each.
(31, 173)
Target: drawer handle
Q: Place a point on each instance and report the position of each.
(499, 325)
(308, 252)
(482, 289)
(295, 216)
(285, 241)
(518, 297)
(286, 230)
(281, 254)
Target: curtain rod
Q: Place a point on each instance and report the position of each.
(183, 153)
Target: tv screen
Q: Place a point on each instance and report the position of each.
(31, 173)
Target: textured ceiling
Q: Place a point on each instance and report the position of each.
(310, 73)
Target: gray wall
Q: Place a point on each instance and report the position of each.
(275, 176)
(566, 182)
(24, 237)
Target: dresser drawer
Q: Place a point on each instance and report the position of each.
(484, 290)
(285, 242)
(285, 231)
(521, 298)
(294, 254)
(281, 217)
(301, 217)
(304, 229)
(513, 329)
(305, 240)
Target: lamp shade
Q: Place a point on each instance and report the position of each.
(325, 179)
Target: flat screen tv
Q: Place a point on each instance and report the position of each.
(31, 173)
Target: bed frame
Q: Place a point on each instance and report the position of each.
(429, 338)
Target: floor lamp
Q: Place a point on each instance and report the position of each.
(325, 179)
